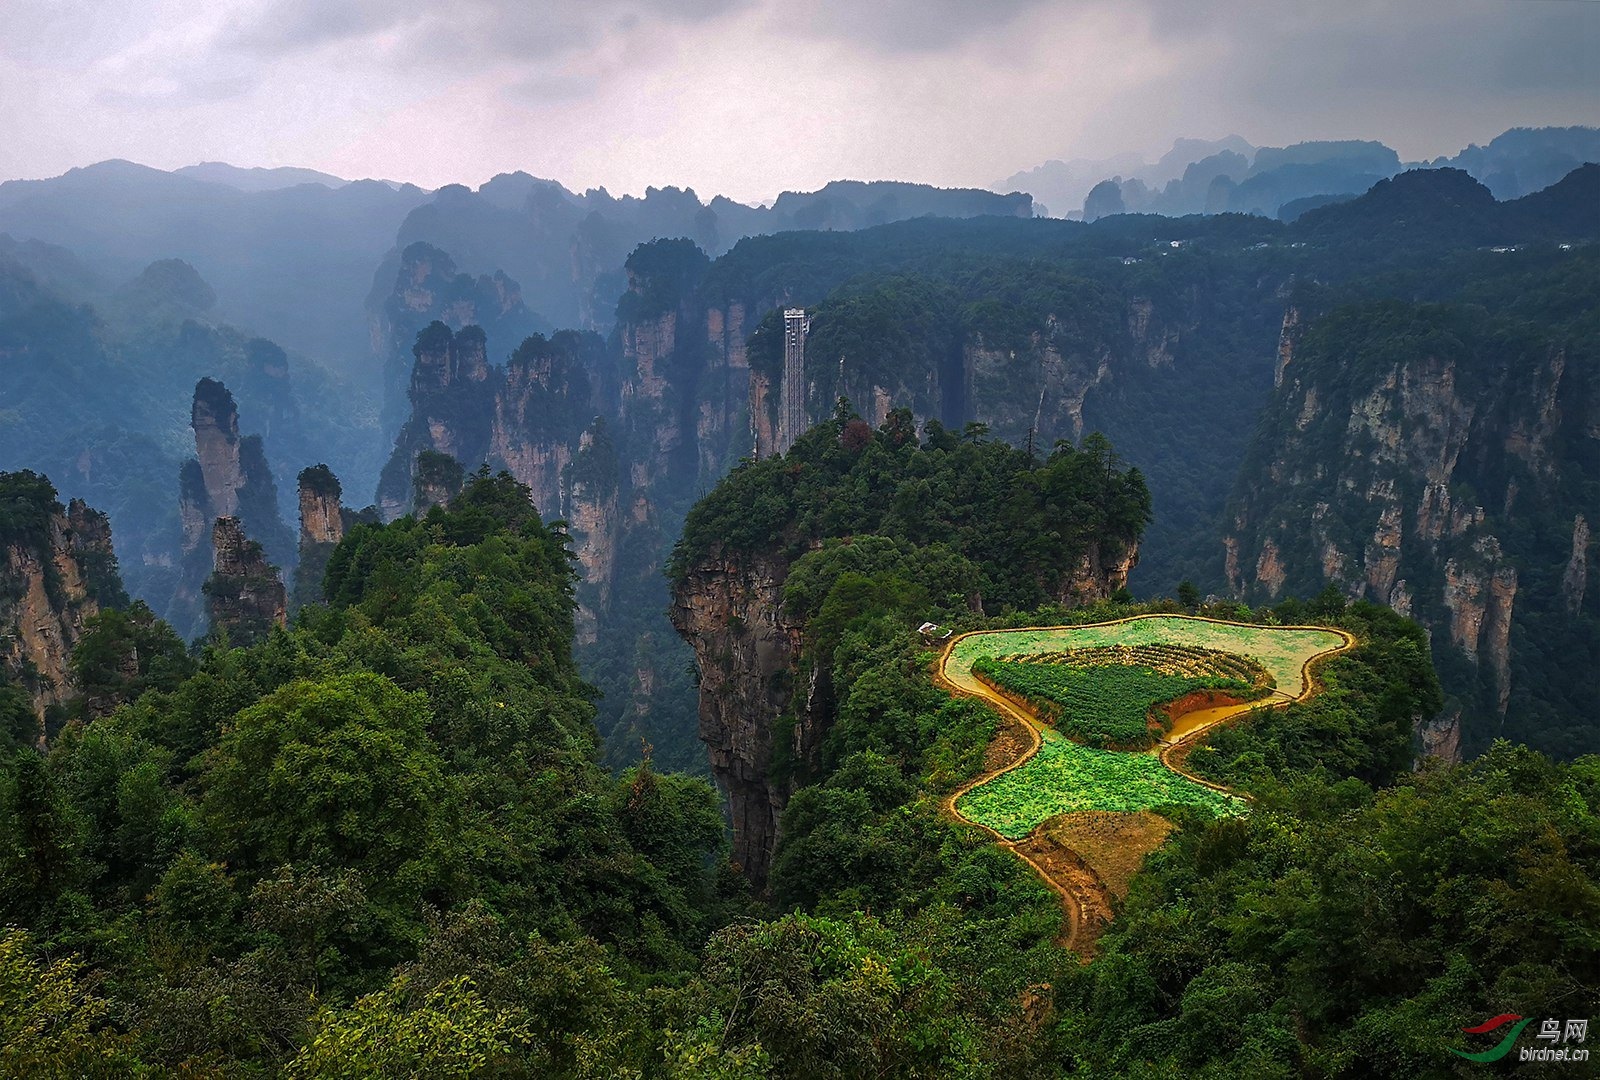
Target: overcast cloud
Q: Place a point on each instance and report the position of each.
(751, 97)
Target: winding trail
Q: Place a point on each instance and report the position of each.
(1188, 729)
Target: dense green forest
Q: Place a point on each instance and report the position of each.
(384, 841)
(265, 835)
(1346, 926)
(381, 842)
(1026, 522)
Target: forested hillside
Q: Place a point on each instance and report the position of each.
(993, 528)
(381, 842)
(1325, 932)
(400, 797)
(99, 397)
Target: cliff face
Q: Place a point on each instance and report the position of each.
(725, 421)
(542, 404)
(1575, 580)
(421, 286)
(1038, 388)
(1440, 737)
(53, 578)
(245, 595)
(229, 476)
(322, 526)
(1016, 371)
(755, 692)
(1102, 570)
(730, 612)
(451, 410)
(1435, 480)
(589, 500)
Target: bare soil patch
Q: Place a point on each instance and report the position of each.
(1112, 845)
(1078, 880)
(1010, 744)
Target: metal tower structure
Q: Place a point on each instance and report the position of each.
(792, 402)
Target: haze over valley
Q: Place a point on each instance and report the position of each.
(1032, 540)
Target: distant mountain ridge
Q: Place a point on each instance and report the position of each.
(258, 178)
(291, 252)
(292, 262)
(1200, 176)
(566, 250)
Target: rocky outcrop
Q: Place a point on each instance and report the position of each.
(731, 613)
(526, 417)
(1098, 574)
(1421, 471)
(321, 517)
(1480, 592)
(1153, 341)
(1269, 568)
(763, 410)
(57, 570)
(1497, 633)
(1575, 581)
(1440, 737)
(245, 595)
(215, 421)
(1288, 337)
(426, 288)
(452, 408)
(322, 525)
(229, 476)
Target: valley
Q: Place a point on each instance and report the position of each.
(884, 631)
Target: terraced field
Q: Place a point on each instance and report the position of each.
(1283, 651)
(1103, 695)
(1036, 804)
(1064, 777)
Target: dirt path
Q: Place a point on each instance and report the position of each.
(1016, 740)
(1085, 900)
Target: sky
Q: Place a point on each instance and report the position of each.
(748, 98)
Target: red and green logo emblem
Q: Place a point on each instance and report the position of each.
(1501, 1049)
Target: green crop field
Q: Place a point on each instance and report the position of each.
(1067, 777)
(1064, 777)
(1103, 706)
(1102, 695)
(1282, 651)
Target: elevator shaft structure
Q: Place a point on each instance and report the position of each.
(792, 401)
